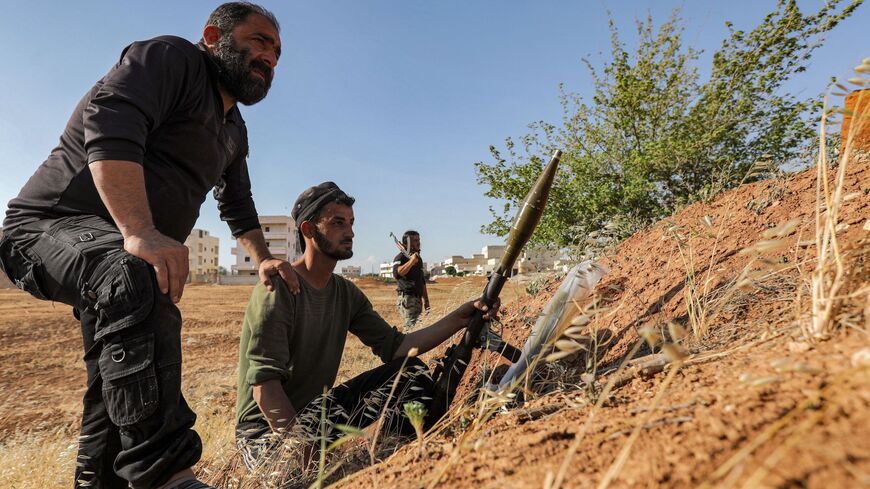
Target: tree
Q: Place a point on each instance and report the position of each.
(450, 270)
(653, 137)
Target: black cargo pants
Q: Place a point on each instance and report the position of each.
(136, 425)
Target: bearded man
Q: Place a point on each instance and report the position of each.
(100, 226)
(291, 347)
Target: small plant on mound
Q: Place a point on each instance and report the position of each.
(416, 413)
(704, 299)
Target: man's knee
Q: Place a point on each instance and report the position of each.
(415, 373)
(415, 364)
(408, 362)
(420, 373)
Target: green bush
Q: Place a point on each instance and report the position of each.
(654, 137)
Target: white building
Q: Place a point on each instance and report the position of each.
(491, 257)
(437, 269)
(351, 271)
(479, 264)
(540, 259)
(463, 264)
(532, 260)
(280, 234)
(202, 259)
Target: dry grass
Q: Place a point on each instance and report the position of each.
(827, 277)
(55, 455)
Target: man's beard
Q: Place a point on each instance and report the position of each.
(235, 71)
(328, 249)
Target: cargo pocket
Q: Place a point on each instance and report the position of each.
(22, 267)
(121, 292)
(85, 232)
(129, 380)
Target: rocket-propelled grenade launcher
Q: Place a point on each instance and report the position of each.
(452, 368)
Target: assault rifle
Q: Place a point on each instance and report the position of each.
(400, 245)
(451, 367)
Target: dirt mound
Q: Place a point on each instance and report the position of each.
(753, 405)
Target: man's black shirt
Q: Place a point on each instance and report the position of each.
(412, 283)
(159, 106)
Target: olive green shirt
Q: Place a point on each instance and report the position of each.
(299, 339)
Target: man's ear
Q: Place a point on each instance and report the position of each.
(210, 35)
(307, 228)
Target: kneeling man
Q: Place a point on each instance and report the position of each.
(291, 345)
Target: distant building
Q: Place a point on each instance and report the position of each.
(540, 260)
(532, 260)
(437, 269)
(462, 264)
(280, 234)
(203, 256)
(482, 263)
(351, 271)
(491, 257)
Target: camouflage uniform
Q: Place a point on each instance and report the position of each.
(410, 308)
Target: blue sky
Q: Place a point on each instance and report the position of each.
(393, 100)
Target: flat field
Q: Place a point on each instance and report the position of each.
(42, 375)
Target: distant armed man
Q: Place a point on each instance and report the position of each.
(100, 226)
(291, 346)
(412, 297)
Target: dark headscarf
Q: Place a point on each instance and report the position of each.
(311, 200)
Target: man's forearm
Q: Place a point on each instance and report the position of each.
(121, 185)
(430, 337)
(275, 405)
(255, 243)
(406, 267)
